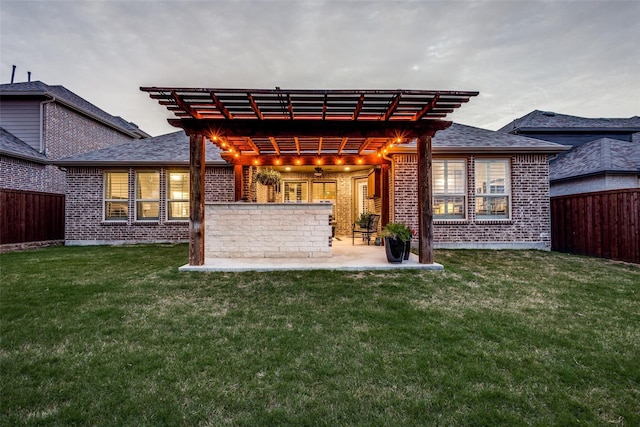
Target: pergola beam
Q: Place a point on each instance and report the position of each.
(254, 107)
(311, 128)
(220, 106)
(186, 107)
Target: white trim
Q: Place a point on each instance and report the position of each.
(118, 242)
(543, 246)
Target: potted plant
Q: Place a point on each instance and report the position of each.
(395, 235)
(407, 243)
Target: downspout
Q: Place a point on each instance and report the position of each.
(53, 99)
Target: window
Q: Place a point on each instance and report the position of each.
(148, 196)
(324, 192)
(116, 196)
(178, 195)
(492, 189)
(449, 189)
(295, 192)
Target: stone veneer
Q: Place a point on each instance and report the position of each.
(84, 205)
(267, 230)
(528, 227)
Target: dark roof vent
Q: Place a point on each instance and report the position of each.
(549, 113)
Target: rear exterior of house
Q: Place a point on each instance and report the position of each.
(40, 124)
(491, 190)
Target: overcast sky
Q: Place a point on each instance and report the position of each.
(580, 58)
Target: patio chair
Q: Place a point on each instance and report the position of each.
(365, 232)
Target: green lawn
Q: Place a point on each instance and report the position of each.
(117, 336)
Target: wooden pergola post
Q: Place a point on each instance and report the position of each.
(425, 202)
(196, 206)
(238, 181)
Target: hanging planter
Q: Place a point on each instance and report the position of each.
(272, 180)
(268, 177)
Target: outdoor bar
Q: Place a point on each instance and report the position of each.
(267, 230)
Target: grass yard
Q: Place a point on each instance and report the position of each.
(117, 336)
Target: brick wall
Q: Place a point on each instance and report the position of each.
(17, 174)
(67, 133)
(269, 230)
(528, 226)
(84, 208)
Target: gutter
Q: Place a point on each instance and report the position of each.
(24, 157)
(126, 164)
(596, 173)
(52, 100)
(472, 150)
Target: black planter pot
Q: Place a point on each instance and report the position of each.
(394, 249)
(407, 249)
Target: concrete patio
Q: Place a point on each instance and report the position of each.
(344, 257)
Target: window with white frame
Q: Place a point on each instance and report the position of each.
(449, 189)
(178, 195)
(493, 189)
(296, 192)
(147, 195)
(116, 196)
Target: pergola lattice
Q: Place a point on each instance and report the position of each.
(305, 127)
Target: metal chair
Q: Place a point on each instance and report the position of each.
(365, 232)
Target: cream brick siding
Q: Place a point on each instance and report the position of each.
(267, 230)
(528, 226)
(84, 210)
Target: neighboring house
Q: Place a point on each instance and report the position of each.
(38, 125)
(595, 186)
(490, 189)
(600, 165)
(604, 154)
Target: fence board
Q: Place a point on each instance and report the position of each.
(27, 216)
(603, 224)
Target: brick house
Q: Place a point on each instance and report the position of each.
(491, 189)
(40, 124)
(604, 155)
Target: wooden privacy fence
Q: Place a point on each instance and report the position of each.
(27, 216)
(604, 224)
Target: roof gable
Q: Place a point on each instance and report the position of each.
(65, 96)
(459, 138)
(599, 156)
(539, 120)
(12, 146)
(169, 149)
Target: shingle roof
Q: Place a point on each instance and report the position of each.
(169, 149)
(173, 148)
(460, 138)
(549, 120)
(12, 146)
(65, 96)
(599, 156)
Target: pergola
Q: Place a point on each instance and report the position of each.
(273, 127)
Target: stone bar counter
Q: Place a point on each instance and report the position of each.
(267, 230)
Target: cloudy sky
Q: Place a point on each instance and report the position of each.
(580, 58)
